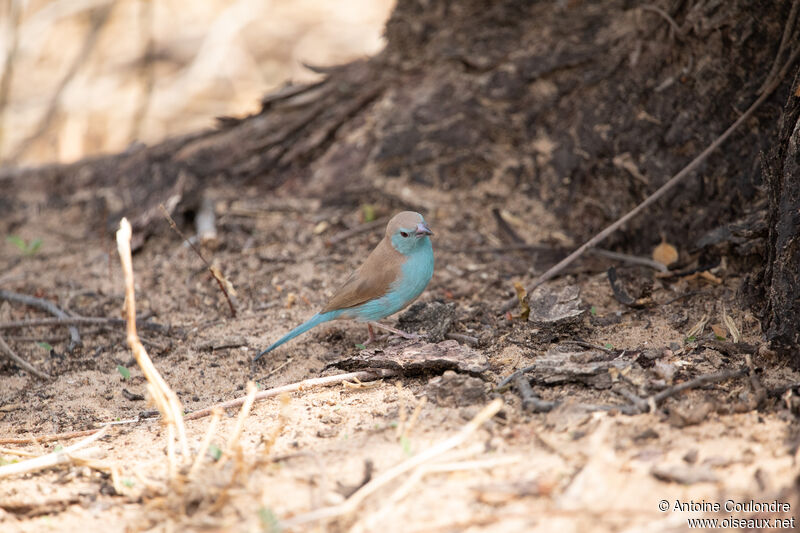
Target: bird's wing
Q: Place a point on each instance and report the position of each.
(371, 280)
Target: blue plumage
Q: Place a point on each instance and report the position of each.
(393, 276)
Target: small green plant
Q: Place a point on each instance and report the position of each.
(405, 442)
(45, 346)
(691, 339)
(609, 346)
(124, 372)
(593, 311)
(128, 482)
(361, 347)
(214, 452)
(269, 522)
(25, 248)
(368, 210)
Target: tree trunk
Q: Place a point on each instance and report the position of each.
(781, 280)
(589, 106)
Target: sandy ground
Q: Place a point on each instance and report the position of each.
(566, 470)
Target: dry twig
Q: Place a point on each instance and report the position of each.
(215, 272)
(165, 398)
(90, 320)
(22, 363)
(44, 305)
(50, 459)
(294, 387)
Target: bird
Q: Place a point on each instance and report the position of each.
(394, 274)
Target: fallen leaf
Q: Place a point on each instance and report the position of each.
(698, 328)
(719, 331)
(731, 325)
(665, 253)
(522, 295)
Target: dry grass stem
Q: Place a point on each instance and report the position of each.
(300, 386)
(22, 363)
(165, 398)
(233, 444)
(414, 416)
(50, 459)
(216, 414)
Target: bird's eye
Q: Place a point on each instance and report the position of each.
(403, 234)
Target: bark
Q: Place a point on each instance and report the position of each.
(781, 278)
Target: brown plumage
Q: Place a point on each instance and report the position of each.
(382, 267)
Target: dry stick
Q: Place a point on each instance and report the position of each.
(460, 337)
(50, 459)
(294, 387)
(44, 305)
(627, 258)
(361, 228)
(675, 180)
(90, 320)
(49, 438)
(696, 382)
(352, 503)
(205, 222)
(214, 272)
(22, 363)
(166, 399)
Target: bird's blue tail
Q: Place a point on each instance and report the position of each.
(315, 320)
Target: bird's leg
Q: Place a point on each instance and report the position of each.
(399, 333)
(371, 338)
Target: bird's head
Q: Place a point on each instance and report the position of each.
(406, 231)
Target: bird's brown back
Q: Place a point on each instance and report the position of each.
(371, 280)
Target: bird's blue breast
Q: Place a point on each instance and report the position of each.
(416, 272)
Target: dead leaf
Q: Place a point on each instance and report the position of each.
(718, 331)
(291, 298)
(522, 295)
(698, 328)
(665, 253)
(322, 227)
(731, 325)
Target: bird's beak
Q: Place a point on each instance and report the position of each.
(422, 229)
